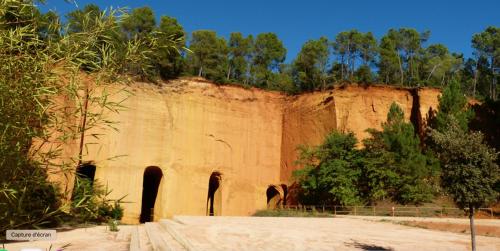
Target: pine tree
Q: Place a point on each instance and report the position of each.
(395, 164)
(209, 57)
(310, 66)
(452, 103)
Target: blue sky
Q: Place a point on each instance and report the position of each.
(451, 22)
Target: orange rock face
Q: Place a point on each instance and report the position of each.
(191, 130)
(308, 118)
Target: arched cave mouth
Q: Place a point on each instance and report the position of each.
(150, 185)
(214, 194)
(273, 197)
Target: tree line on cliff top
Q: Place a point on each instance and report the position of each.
(401, 57)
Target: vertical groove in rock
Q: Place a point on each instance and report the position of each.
(415, 116)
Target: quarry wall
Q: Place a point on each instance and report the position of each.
(309, 117)
(191, 129)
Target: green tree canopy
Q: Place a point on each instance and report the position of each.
(331, 171)
(140, 22)
(269, 53)
(469, 171)
(171, 42)
(311, 64)
(240, 55)
(487, 45)
(395, 165)
(346, 47)
(209, 55)
(438, 65)
(452, 103)
(400, 51)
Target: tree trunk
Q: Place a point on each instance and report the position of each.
(472, 228)
(342, 67)
(348, 57)
(200, 71)
(410, 66)
(432, 72)
(476, 73)
(401, 69)
(83, 126)
(494, 88)
(228, 73)
(494, 81)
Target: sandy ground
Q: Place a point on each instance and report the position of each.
(341, 233)
(95, 238)
(268, 233)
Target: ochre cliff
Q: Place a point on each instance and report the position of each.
(309, 117)
(191, 129)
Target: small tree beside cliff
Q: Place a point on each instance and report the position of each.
(469, 171)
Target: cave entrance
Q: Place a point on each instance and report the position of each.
(273, 197)
(87, 172)
(150, 185)
(84, 179)
(214, 200)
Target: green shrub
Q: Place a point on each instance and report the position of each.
(90, 202)
(331, 171)
(29, 201)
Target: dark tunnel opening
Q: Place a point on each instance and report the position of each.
(150, 185)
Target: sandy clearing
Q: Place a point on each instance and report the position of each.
(286, 233)
(341, 233)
